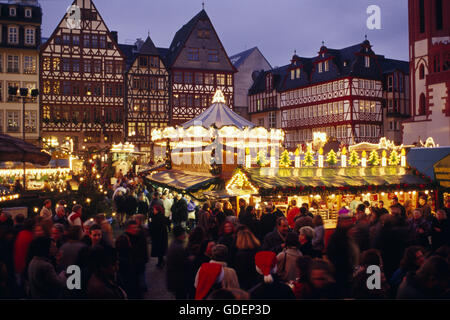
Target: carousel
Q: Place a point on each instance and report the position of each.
(206, 150)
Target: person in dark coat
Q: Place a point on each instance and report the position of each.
(131, 204)
(103, 283)
(440, 230)
(178, 265)
(425, 208)
(271, 287)
(159, 234)
(267, 223)
(247, 217)
(247, 246)
(275, 240)
(179, 211)
(419, 229)
(143, 205)
(132, 250)
(305, 236)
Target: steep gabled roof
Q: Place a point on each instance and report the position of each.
(279, 74)
(239, 58)
(391, 65)
(148, 48)
(182, 36)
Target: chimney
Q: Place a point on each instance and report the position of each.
(115, 36)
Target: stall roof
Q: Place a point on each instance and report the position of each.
(442, 171)
(182, 180)
(268, 178)
(424, 159)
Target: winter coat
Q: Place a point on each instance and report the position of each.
(318, 241)
(177, 267)
(21, 246)
(43, 280)
(179, 211)
(159, 235)
(266, 225)
(99, 287)
(287, 263)
(244, 264)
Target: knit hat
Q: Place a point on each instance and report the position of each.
(208, 275)
(266, 263)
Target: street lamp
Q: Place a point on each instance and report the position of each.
(23, 95)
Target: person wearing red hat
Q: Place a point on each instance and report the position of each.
(208, 279)
(271, 288)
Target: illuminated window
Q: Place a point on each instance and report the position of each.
(56, 64)
(220, 79)
(31, 121)
(29, 65)
(297, 73)
(326, 66)
(319, 67)
(209, 79)
(12, 119)
(367, 61)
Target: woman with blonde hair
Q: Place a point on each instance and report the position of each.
(247, 246)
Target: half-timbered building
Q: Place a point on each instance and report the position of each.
(82, 80)
(339, 92)
(199, 65)
(147, 93)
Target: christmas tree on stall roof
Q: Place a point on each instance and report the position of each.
(354, 158)
(261, 159)
(374, 159)
(285, 161)
(331, 158)
(394, 158)
(309, 158)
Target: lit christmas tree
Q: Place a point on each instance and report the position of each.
(354, 158)
(374, 159)
(394, 158)
(285, 161)
(261, 159)
(332, 158)
(309, 158)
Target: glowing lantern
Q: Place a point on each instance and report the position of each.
(320, 158)
(344, 157)
(383, 158)
(364, 159)
(297, 158)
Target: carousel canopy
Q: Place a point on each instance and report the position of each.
(181, 180)
(424, 159)
(220, 115)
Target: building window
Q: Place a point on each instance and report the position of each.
(29, 65)
(292, 74)
(154, 62)
(188, 77)
(1, 62)
(94, 41)
(438, 10)
(65, 64)
(76, 65)
(86, 41)
(30, 121)
(13, 64)
(161, 83)
(87, 66)
(297, 73)
(13, 35)
(193, 54)
(422, 16)
(421, 71)
(178, 77)
(199, 78)
(102, 42)
(29, 37)
(66, 39)
(213, 55)
(319, 66)
(98, 66)
(367, 61)
(209, 78)
(12, 12)
(109, 66)
(12, 118)
(326, 65)
(143, 61)
(28, 13)
(390, 83)
(220, 79)
(422, 105)
(261, 122)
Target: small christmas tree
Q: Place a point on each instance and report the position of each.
(354, 158)
(285, 161)
(331, 158)
(309, 158)
(374, 159)
(261, 159)
(394, 158)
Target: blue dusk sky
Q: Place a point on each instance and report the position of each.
(276, 27)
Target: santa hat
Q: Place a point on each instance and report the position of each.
(266, 263)
(208, 275)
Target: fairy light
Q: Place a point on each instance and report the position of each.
(239, 180)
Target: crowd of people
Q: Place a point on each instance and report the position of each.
(214, 251)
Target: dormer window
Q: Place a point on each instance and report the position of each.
(292, 74)
(269, 82)
(28, 13)
(320, 67)
(326, 66)
(367, 61)
(297, 73)
(12, 11)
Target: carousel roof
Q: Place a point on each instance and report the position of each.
(220, 115)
